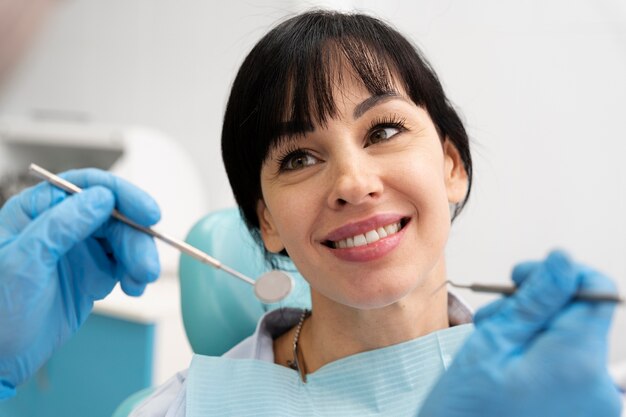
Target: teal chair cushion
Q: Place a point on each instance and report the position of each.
(218, 310)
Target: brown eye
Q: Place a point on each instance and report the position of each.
(297, 160)
(383, 134)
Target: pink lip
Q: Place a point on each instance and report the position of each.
(363, 226)
(371, 251)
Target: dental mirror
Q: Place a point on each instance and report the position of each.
(271, 287)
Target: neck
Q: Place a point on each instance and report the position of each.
(335, 330)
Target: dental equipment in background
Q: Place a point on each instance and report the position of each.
(271, 287)
(510, 289)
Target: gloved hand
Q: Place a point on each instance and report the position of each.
(58, 254)
(537, 353)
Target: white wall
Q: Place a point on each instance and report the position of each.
(167, 64)
(540, 85)
(542, 89)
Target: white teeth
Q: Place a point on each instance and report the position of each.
(392, 228)
(368, 237)
(360, 240)
(371, 236)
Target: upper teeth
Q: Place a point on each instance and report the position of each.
(368, 237)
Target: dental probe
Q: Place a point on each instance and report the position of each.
(270, 287)
(511, 289)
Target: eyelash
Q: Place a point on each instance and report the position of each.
(292, 151)
(392, 120)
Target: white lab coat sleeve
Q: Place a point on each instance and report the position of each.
(169, 400)
(166, 401)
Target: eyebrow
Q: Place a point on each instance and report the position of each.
(287, 130)
(372, 101)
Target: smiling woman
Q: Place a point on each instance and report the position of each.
(352, 156)
(288, 83)
(345, 155)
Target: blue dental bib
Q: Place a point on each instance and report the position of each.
(391, 381)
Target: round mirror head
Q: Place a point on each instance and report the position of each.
(273, 286)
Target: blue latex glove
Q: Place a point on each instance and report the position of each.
(537, 353)
(60, 253)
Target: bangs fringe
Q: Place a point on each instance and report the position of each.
(303, 91)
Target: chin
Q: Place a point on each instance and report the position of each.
(377, 298)
(376, 289)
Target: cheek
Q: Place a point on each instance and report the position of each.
(421, 178)
(422, 183)
(293, 212)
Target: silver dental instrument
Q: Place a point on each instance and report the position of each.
(271, 287)
(510, 289)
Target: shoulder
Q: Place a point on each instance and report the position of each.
(169, 399)
(260, 344)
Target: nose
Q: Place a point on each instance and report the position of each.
(355, 181)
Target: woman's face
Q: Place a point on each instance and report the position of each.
(361, 204)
